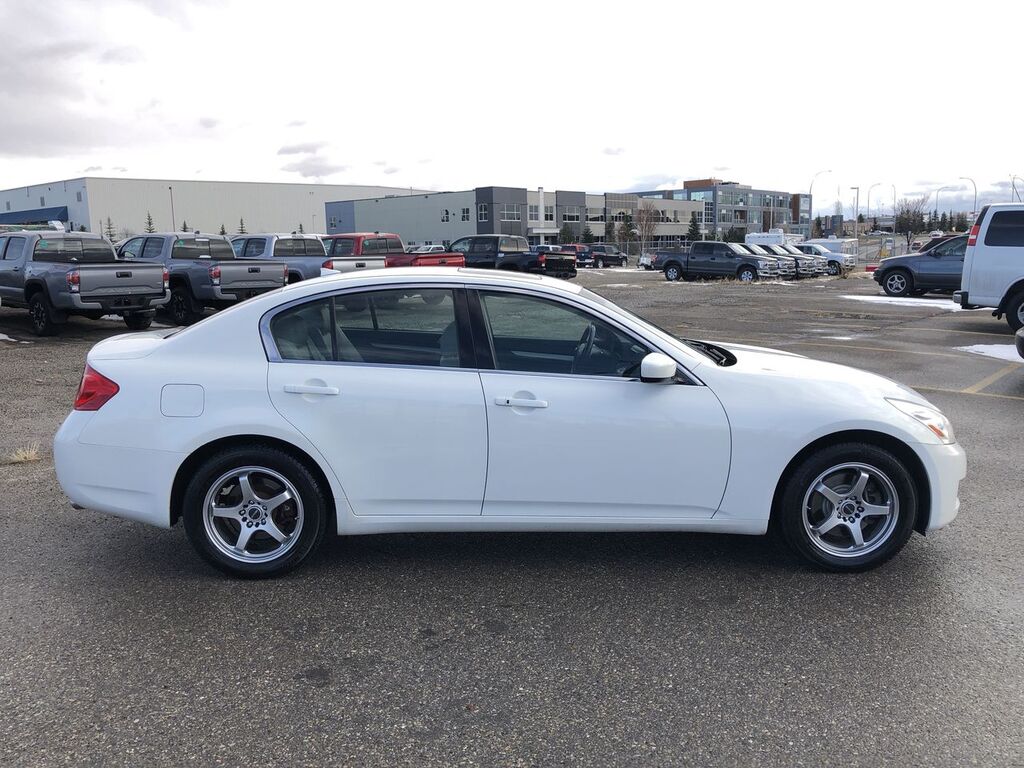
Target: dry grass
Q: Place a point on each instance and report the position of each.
(24, 454)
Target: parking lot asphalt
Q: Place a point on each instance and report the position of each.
(120, 647)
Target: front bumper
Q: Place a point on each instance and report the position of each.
(946, 466)
(134, 483)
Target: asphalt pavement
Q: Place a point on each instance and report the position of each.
(121, 647)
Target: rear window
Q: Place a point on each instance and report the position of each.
(202, 248)
(314, 248)
(341, 246)
(1006, 229)
(394, 245)
(63, 249)
(287, 247)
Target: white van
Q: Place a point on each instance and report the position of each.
(772, 237)
(993, 273)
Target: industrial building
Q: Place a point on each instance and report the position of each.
(730, 205)
(539, 215)
(89, 202)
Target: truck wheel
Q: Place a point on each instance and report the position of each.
(898, 283)
(600, 264)
(1015, 311)
(138, 321)
(834, 268)
(672, 273)
(42, 317)
(180, 307)
(747, 274)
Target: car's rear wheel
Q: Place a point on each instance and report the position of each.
(180, 307)
(1015, 311)
(849, 507)
(254, 511)
(672, 273)
(898, 283)
(600, 263)
(834, 268)
(39, 310)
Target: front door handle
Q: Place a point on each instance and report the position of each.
(520, 402)
(310, 389)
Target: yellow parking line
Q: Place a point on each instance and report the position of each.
(965, 392)
(975, 389)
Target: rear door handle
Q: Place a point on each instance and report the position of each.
(520, 402)
(310, 389)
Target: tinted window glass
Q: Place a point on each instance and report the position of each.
(482, 245)
(201, 248)
(395, 327)
(254, 247)
(370, 246)
(132, 249)
(3, 245)
(394, 245)
(1006, 229)
(153, 248)
(15, 248)
(287, 248)
(304, 332)
(461, 246)
(341, 246)
(314, 248)
(63, 249)
(237, 246)
(542, 336)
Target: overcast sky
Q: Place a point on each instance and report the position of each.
(565, 95)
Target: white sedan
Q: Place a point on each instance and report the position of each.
(461, 400)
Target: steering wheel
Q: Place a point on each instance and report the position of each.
(585, 346)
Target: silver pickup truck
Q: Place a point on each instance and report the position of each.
(57, 274)
(304, 254)
(203, 271)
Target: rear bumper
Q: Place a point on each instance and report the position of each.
(946, 466)
(963, 299)
(132, 483)
(118, 304)
(234, 293)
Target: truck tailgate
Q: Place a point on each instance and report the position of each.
(123, 278)
(356, 263)
(247, 274)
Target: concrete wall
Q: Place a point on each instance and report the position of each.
(416, 218)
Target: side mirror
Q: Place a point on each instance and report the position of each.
(656, 368)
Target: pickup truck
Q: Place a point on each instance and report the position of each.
(57, 274)
(512, 252)
(203, 271)
(353, 251)
(304, 254)
(419, 259)
(710, 258)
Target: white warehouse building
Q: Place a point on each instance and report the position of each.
(88, 203)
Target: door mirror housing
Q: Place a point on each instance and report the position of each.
(657, 368)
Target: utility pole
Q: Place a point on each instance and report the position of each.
(170, 191)
(975, 211)
(856, 211)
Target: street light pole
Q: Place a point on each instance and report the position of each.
(876, 184)
(940, 189)
(856, 211)
(170, 191)
(975, 211)
(810, 206)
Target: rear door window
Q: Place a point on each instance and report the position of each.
(15, 248)
(154, 248)
(1006, 229)
(133, 248)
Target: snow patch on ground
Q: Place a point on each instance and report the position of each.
(623, 285)
(998, 351)
(945, 304)
(839, 338)
(5, 337)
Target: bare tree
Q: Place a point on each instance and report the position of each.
(910, 216)
(648, 217)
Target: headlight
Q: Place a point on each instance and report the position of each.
(763, 264)
(936, 423)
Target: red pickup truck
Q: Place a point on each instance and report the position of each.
(374, 250)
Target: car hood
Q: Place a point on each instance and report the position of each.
(902, 261)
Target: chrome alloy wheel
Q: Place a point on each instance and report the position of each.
(896, 283)
(850, 510)
(252, 514)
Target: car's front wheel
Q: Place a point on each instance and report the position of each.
(673, 273)
(849, 507)
(254, 511)
(834, 268)
(897, 283)
(600, 263)
(1015, 311)
(747, 274)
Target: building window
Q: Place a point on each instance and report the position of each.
(511, 212)
(42, 201)
(445, 215)
(481, 212)
(332, 223)
(549, 213)
(465, 214)
(595, 214)
(534, 212)
(78, 196)
(447, 244)
(8, 205)
(571, 213)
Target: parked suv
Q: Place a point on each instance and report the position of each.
(203, 271)
(512, 252)
(56, 274)
(993, 273)
(304, 254)
(938, 268)
(605, 255)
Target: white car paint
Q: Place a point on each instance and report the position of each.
(406, 448)
(992, 273)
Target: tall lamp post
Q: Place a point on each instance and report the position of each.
(876, 184)
(856, 211)
(968, 178)
(170, 191)
(940, 189)
(1013, 183)
(810, 209)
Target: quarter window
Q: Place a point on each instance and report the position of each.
(1006, 229)
(542, 336)
(154, 247)
(378, 327)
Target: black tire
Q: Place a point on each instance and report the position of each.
(1015, 311)
(835, 268)
(746, 274)
(313, 505)
(41, 313)
(623, 261)
(181, 308)
(599, 263)
(789, 514)
(673, 272)
(138, 321)
(897, 283)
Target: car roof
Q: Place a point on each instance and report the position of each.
(360, 234)
(297, 235)
(53, 234)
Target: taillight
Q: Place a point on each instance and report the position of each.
(389, 261)
(329, 264)
(215, 274)
(542, 258)
(167, 278)
(94, 391)
(972, 237)
(74, 278)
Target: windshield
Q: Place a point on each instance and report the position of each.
(757, 249)
(792, 249)
(64, 249)
(737, 248)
